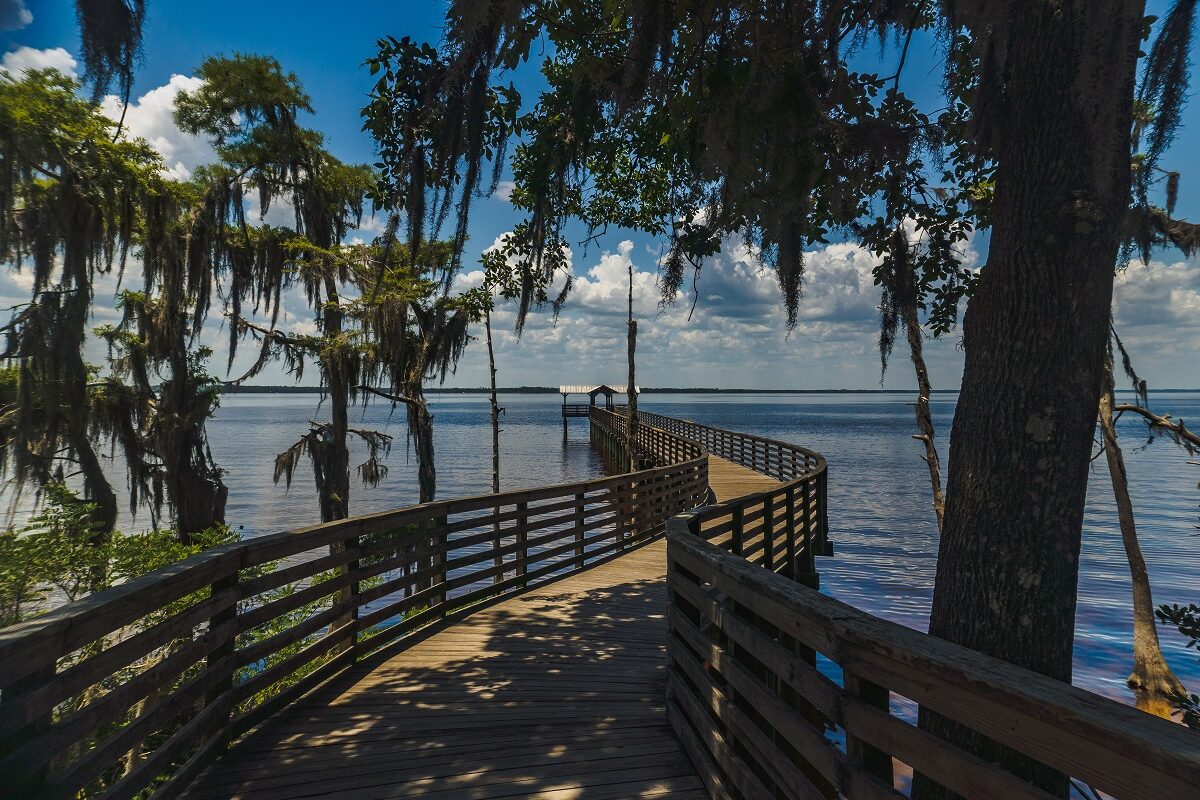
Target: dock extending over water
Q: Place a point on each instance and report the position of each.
(650, 634)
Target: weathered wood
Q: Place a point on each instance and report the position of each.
(416, 536)
(1114, 748)
(484, 689)
(874, 761)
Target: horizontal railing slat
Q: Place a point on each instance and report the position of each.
(441, 557)
(1112, 747)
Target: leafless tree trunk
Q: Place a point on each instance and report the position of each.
(1152, 677)
(631, 421)
(496, 410)
(924, 416)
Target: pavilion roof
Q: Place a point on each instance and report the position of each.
(615, 388)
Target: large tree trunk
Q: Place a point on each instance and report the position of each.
(1035, 335)
(1152, 678)
(420, 422)
(70, 365)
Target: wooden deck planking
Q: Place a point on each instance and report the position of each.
(556, 694)
(729, 480)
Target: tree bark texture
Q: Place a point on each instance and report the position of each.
(1060, 109)
(194, 487)
(420, 422)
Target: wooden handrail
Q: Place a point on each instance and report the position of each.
(138, 686)
(747, 700)
(783, 528)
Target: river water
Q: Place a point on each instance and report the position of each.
(881, 521)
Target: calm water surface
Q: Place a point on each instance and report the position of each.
(880, 517)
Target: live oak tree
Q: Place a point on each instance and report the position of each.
(930, 237)
(699, 121)
(421, 330)
(205, 254)
(250, 109)
(72, 201)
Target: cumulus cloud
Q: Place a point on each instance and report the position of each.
(1156, 311)
(152, 117)
(24, 58)
(14, 15)
(736, 335)
(504, 190)
(605, 287)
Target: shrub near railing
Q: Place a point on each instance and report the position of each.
(137, 687)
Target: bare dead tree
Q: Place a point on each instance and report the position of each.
(1152, 677)
(631, 422)
(1163, 422)
(495, 405)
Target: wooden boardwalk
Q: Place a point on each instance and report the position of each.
(558, 693)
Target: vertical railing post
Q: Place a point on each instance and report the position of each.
(877, 762)
(23, 782)
(823, 512)
(580, 508)
(351, 595)
(441, 544)
(522, 533)
(735, 534)
(768, 533)
(497, 559)
(223, 626)
(789, 528)
(629, 509)
(618, 493)
(806, 568)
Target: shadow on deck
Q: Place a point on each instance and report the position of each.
(555, 693)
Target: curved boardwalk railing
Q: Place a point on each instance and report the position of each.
(132, 690)
(780, 529)
(135, 688)
(760, 720)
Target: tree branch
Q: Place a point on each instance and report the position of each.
(1162, 421)
(395, 398)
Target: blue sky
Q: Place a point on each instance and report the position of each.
(736, 337)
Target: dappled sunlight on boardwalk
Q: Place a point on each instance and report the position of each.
(557, 694)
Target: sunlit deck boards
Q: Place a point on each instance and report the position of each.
(729, 480)
(557, 694)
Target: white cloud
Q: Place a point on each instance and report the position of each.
(280, 214)
(504, 190)
(24, 58)
(14, 15)
(1156, 311)
(151, 117)
(605, 287)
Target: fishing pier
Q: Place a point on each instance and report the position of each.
(658, 633)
